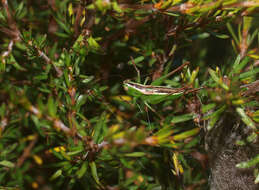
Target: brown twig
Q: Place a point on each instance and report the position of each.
(133, 63)
(3, 124)
(243, 44)
(11, 21)
(158, 72)
(8, 52)
(49, 61)
(177, 69)
(59, 125)
(251, 88)
(13, 31)
(79, 11)
(26, 152)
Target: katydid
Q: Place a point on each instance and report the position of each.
(155, 94)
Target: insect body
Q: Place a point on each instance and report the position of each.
(154, 94)
(151, 90)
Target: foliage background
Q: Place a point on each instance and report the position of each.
(65, 120)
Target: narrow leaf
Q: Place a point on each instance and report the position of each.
(186, 134)
(7, 163)
(245, 118)
(82, 170)
(135, 154)
(182, 118)
(94, 172)
(218, 80)
(249, 163)
(56, 175)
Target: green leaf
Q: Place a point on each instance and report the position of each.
(2, 110)
(206, 108)
(75, 152)
(251, 38)
(250, 139)
(182, 118)
(245, 118)
(247, 23)
(135, 154)
(116, 7)
(93, 45)
(255, 116)
(218, 35)
(62, 35)
(63, 26)
(9, 149)
(81, 100)
(238, 66)
(164, 132)
(232, 33)
(15, 63)
(52, 107)
(126, 163)
(7, 163)
(200, 36)
(56, 174)
(2, 16)
(94, 172)
(236, 63)
(249, 163)
(186, 134)
(137, 60)
(214, 116)
(86, 79)
(171, 14)
(80, 173)
(194, 75)
(41, 77)
(98, 133)
(218, 80)
(250, 73)
(20, 11)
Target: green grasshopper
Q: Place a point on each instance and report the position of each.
(155, 94)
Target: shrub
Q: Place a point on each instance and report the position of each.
(66, 121)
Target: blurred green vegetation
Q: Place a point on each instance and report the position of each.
(65, 119)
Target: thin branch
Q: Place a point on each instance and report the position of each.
(15, 33)
(26, 152)
(49, 61)
(3, 124)
(8, 52)
(251, 88)
(133, 63)
(177, 69)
